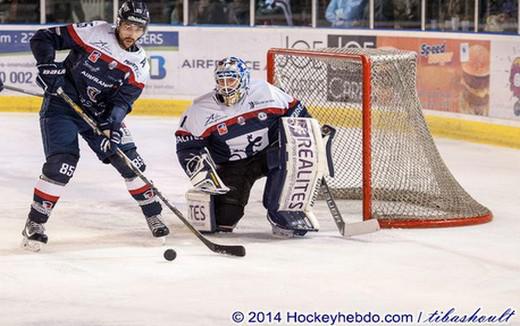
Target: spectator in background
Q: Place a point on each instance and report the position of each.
(64, 11)
(383, 12)
(4, 9)
(209, 12)
(159, 11)
(166, 11)
(176, 12)
(23, 11)
(346, 13)
(407, 14)
(275, 12)
(238, 11)
(500, 16)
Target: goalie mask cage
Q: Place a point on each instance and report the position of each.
(383, 152)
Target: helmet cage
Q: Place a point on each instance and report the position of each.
(231, 79)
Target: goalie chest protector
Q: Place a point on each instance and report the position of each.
(239, 131)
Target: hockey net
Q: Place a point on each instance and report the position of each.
(383, 152)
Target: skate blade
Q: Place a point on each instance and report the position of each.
(162, 240)
(280, 233)
(31, 245)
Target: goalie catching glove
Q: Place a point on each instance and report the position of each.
(203, 174)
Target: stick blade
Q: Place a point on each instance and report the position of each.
(238, 251)
(364, 227)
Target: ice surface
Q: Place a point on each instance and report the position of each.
(102, 267)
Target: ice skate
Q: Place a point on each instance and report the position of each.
(156, 225)
(34, 237)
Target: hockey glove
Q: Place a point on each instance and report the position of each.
(203, 174)
(51, 76)
(111, 128)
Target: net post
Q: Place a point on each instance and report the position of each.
(367, 135)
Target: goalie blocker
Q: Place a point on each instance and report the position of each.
(298, 163)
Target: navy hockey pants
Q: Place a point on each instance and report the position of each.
(60, 127)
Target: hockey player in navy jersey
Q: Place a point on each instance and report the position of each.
(104, 72)
(240, 132)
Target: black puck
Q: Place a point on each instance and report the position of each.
(169, 254)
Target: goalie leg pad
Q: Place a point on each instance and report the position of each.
(293, 184)
(201, 211)
(207, 216)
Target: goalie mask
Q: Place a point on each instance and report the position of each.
(232, 80)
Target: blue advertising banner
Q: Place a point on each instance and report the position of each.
(15, 41)
(163, 41)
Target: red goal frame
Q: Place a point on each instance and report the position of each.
(366, 145)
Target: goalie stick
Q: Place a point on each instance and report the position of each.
(233, 250)
(345, 229)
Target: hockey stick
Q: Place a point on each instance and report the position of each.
(345, 229)
(238, 251)
(19, 90)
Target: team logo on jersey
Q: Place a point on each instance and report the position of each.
(103, 46)
(92, 92)
(222, 129)
(212, 118)
(247, 145)
(47, 204)
(112, 65)
(241, 120)
(94, 56)
(262, 116)
(148, 194)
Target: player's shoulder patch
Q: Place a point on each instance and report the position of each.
(203, 113)
(136, 61)
(92, 26)
(95, 34)
(264, 95)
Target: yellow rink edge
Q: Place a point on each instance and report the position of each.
(474, 131)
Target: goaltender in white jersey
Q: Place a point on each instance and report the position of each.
(240, 132)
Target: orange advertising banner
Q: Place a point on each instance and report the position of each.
(452, 75)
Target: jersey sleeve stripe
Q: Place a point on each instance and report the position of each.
(249, 115)
(108, 59)
(182, 133)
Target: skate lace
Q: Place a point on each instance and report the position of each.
(154, 222)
